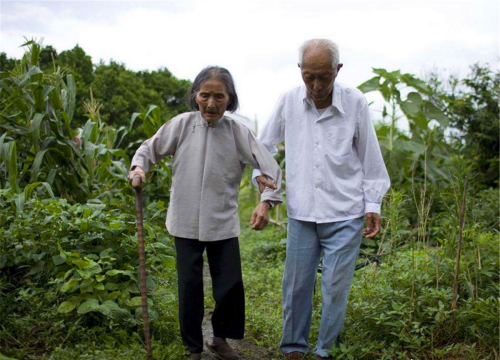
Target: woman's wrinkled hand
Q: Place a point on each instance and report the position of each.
(137, 171)
(264, 182)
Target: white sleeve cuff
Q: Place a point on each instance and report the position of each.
(255, 173)
(372, 207)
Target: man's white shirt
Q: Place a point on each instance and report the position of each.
(334, 167)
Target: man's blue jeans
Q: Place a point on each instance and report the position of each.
(340, 242)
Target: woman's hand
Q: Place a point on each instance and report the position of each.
(264, 182)
(137, 171)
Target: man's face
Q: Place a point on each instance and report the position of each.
(318, 74)
(212, 99)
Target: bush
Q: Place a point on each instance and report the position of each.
(65, 264)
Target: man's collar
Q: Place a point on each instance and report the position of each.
(336, 97)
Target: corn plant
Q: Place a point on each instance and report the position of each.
(38, 145)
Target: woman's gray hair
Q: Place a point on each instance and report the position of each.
(213, 73)
(321, 43)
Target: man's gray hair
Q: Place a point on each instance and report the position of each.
(321, 43)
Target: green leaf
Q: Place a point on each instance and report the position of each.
(134, 117)
(370, 85)
(55, 98)
(99, 286)
(432, 112)
(113, 310)
(34, 70)
(66, 307)
(82, 264)
(134, 302)
(11, 151)
(169, 262)
(411, 107)
(39, 98)
(392, 76)
(19, 201)
(89, 132)
(131, 287)
(421, 121)
(71, 285)
(2, 140)
(114, 272)
(28, 190)
(94, 267)
(88, 306)
(35, 123)
(58, 260)
(84, 274)
(112, 286)
(106, 253)
(416, 83)
(385, 90)
(151, 108)
(35, 170)
(113, 295)
(412, 146)
(70, 110)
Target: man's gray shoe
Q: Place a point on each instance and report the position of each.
(223, 351)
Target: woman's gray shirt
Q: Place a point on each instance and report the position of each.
(207, 166)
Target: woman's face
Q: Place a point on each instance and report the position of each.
(212, 99)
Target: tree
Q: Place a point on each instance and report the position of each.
(472, 104)
(170, 91)
(78, 63)
(120, 91)
(6, 64)
(48, 55)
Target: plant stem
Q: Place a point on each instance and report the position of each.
(459, 248)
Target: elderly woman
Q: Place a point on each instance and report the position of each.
(209, 152)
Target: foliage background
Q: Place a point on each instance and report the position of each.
(68, 263)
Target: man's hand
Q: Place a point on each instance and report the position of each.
(264, 182)
(137, 171)
(259, 218)
(373, 223)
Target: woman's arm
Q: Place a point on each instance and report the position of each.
(163, 143)
(252, 152)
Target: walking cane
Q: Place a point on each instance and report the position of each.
(136, 183)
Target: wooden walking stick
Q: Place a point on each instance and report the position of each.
(136, 183)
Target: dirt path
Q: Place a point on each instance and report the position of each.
(245, 348)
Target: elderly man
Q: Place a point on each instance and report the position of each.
(335, 178)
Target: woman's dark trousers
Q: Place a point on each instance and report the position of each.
(228, 318)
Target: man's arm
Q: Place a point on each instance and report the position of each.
(376, 180)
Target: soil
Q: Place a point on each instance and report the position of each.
(245, 348)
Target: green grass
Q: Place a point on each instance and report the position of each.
(383, 320)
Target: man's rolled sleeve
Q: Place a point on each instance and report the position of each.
(372, 208)
(376, 180)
